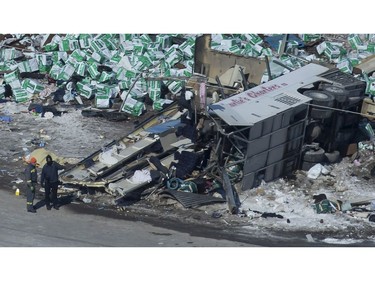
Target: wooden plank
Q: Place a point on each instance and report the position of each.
(361, 201)
(367, 65)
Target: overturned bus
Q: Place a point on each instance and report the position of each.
(263, 130)
(258, 134)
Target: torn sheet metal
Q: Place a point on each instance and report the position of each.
(189, 200)
(268, 99)
(119, 153)
(233, 204)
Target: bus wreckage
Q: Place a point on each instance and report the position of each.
(206, 142)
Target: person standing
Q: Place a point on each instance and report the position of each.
(50, 180)
(31, 175)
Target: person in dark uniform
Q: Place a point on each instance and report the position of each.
(31, 181)
(50, 180)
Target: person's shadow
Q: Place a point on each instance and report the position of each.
(63, 200)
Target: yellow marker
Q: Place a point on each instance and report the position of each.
(17, 192)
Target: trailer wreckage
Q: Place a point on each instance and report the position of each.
(211, 143)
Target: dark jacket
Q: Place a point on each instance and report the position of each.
(187, 161)
(50, 173)
(31, 174)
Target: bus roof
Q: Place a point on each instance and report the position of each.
(268, 99)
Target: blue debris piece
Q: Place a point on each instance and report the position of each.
(5, 118)
(273, 41)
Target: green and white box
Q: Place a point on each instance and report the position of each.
(102, 100)
(78, 55)
(110, 43)
(3, 66)
(10, 54)
(235, 49)
(321, 48)
(345, 66)
(28, 66)
(44, 61)
(157, 55)
(130, 74)
(139, 49)
(267, 52)
(85, 90)
(189, 64)
(71, 36)
(137, 93)
(93, 71)
(175, 87)
(133, 107)
(55, 71)
(153, 47)
(57, 56)
(371, 48)
(154, 89)
(102, 89)
(126, 37)
(188, 47)
(370, 84)
(9, 77)
(105, 76)
(217, 38)
(116, 58)
(173, 55)
(159, 103)
(106, 54)
(51, 47)
(66, 72)
(356, 42)
(124, 84)
(15, 84)
(11, 65)
(120, 74)
(32, 87)
(254, 50)
(164, 40)
(332, 51)
(114, 90)
(81, 68)
(228, 43)
(353, 58)
(143, 63)
(97, 45)
(254, 39)
(85, 41)
(145, 38)
(68, 45)
(20, 95)
(72, 61)
(310, 37)
(95, 57)
(142, 84)
(126, 47)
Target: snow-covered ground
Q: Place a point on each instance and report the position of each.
(293, 200)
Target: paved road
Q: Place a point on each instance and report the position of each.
(65, 228)
(95, 247)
